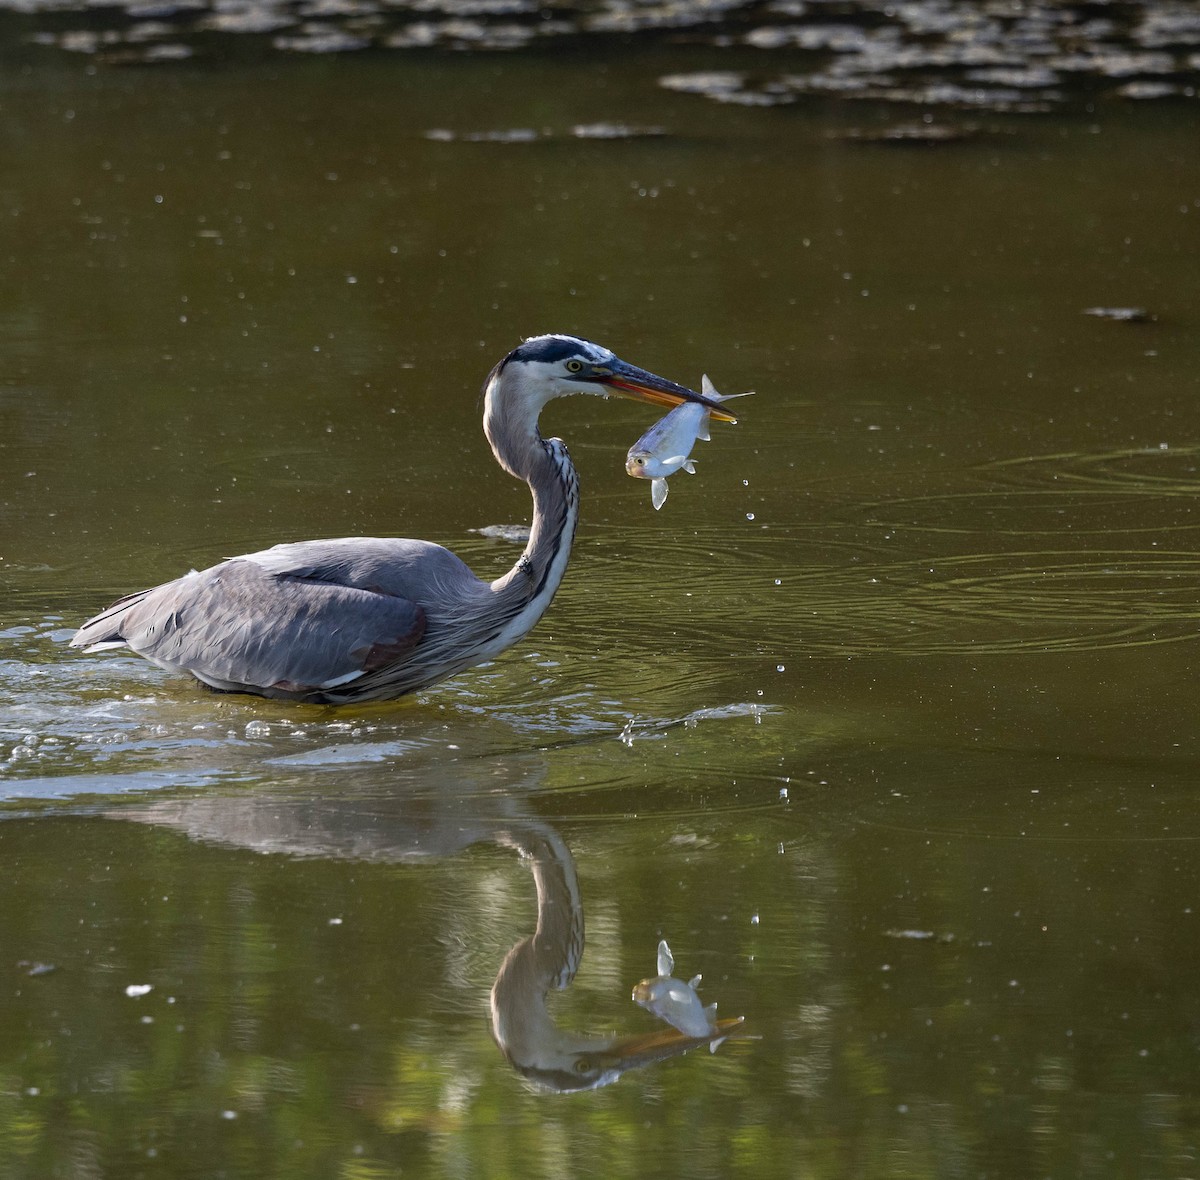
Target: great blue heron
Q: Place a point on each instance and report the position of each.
(365, 618)
(403, 826)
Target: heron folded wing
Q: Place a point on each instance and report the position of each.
(104, 630)
(237, 625)
(386, 565)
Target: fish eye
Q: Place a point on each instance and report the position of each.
(640, 462)
(582, 1065)
(574, 366)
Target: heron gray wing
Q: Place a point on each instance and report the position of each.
(418, 570)
(238, 625)
(104, 630)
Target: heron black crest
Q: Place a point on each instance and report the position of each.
(548, 349)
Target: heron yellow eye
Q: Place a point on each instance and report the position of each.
(574, 366)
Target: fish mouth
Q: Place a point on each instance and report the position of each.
(630, 381)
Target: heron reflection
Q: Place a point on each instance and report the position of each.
(546, 961)
(398, 828)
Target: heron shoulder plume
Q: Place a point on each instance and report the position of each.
(369, 618)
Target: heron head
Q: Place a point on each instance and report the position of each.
(557, 365)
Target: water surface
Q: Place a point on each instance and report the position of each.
(884, 722)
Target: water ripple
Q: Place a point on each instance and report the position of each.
(1030, 600)
(1134, 491)
(1162, 470)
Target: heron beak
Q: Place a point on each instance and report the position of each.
(630, 381)
(662, 1044)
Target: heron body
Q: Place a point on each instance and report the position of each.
(364, 618)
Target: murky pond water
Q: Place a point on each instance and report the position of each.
(884, 722)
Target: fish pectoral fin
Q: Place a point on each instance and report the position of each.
(689, 465)
(658, 492)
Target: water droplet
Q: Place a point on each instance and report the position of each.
(749, 515)
(780, 668)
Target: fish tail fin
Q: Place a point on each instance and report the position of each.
(709, 391)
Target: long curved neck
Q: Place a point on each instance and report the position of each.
(547, 960)
(546, 467)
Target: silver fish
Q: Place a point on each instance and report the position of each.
(674, 1001)
(665, 448)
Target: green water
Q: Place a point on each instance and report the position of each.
(885, 721)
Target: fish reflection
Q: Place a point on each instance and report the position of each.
(399, 828)
(676, 1002)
